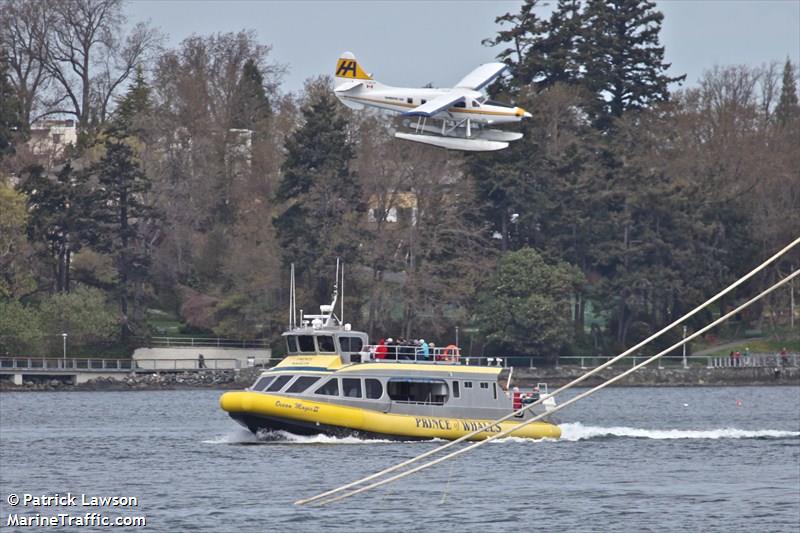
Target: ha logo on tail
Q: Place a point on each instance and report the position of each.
(465, 114)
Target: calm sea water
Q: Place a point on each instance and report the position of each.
(631, 459)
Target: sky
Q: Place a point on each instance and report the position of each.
(413, 42)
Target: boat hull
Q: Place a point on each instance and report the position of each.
(259, 411)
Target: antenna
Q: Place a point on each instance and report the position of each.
(292, 302)
(341, 313)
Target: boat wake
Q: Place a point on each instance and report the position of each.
(244, 437)
(576, 431)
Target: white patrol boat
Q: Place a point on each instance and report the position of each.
(334, 382)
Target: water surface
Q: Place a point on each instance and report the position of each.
(631, 459)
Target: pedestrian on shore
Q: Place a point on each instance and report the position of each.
(201, 361)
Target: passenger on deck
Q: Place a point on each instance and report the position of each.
(380, 350)
(391, 348)
(424, 351)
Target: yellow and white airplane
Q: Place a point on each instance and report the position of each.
(464, 110)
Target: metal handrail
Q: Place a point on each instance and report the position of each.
(207, 342)
(90, 364)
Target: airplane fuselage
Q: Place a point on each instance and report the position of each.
(401, 99)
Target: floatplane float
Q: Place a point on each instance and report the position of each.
(465, 113)
(334, 382)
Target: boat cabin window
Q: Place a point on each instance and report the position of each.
(331, 388)
(262, 383)
(325, 343)
(306, 343)
(350, 344)
(302, 383)
(279, 382)
(291, 344)
(484, 385)
(373, 388)
(410, 100)
(351, 387)
(418, 390)
(467, 384)
(494, 390)
(456, 390)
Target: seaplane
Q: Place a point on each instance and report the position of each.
(467, 116)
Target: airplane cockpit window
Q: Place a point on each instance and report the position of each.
(459, 104)
(475, 103)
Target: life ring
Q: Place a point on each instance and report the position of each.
(451, 353)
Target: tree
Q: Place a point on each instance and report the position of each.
(20, 329)
(59, 218)
(787, 109)
(10, 122)
(89, 56)
(133, 108)
(319, 196)
(251, 105)
(525, 306)
(623, 58)
(24, 29)
(83, 314)
(124, 214)
(15, 277)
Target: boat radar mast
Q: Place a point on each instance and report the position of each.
(327, 316)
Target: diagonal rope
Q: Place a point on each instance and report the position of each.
(561, 406)
(564, 387)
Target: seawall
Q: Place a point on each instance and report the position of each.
(667, 377)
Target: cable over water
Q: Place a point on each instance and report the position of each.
(327, 494)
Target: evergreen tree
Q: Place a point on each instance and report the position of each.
(787, 109)
(623, 58)
(319, 196)
(59, 217)
(10, 112)
(133, 107)
(251, 107)
(120, 207)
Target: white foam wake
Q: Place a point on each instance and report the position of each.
(576, 431)
(243, 436)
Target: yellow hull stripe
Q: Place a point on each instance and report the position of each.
(375, 421)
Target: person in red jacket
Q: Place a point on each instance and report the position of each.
(381, 350)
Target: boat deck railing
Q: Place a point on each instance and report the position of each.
(448, 355)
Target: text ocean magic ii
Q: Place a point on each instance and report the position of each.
(466, 425)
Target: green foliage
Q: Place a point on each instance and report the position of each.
(133, 108)
(787, 109)
(125, 218)
(10, 111)
(20, 329)
(84, 314)
(623, 58)
(60, 218)
(525, 307)
(320, 196)
(251, 107)
(14, 276)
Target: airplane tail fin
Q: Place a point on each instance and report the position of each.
(348, 70)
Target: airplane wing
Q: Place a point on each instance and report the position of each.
(482, 76)
(438, 104)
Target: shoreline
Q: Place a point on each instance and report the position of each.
(522, 377)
